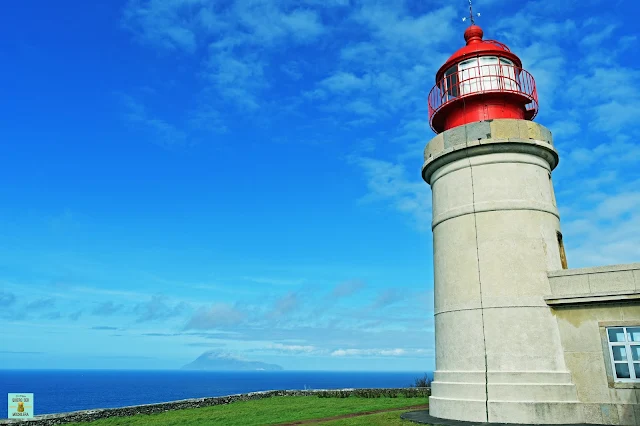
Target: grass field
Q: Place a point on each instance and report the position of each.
(276, 410)
(382, 419)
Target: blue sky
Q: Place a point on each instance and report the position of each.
(244, 177)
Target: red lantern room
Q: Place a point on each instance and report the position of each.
(483, 80)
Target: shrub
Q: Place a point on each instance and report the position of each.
(422, 382)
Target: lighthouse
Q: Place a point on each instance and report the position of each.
(496, 235)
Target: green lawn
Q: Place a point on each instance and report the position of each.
(382, 419)
(270, 411)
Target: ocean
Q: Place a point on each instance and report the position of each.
(59, 391)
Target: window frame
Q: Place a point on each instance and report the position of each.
(612, 379)
(451, 89)
(626, 344)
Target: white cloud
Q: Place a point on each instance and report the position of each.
(362, 107)
(291, 348)
(237, 79)
(603, 84)
(267, 23)
(275, 280)
(565, 128)
(347, 288)
(217, 315)
(285, 305)
(7, 299)
(616, 114)
(603, 242)
(594, 38)
(292, 69)
(304, 25)
(600, 210)
(383, 69)
(388, 182)
(344, 82)
(394, 28)
(107, 308)
(168, 24)
(238, 38)
(388, 297)
(157, 308)
(372, 352)
(162, 132)
(617, 205)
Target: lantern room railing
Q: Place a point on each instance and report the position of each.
(492, 78)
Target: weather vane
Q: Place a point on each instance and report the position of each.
(473, 22)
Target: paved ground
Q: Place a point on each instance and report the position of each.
(423, 417)
(346, 416)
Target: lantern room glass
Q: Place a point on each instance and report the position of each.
(484, 73)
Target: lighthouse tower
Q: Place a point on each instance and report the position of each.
(496, 234)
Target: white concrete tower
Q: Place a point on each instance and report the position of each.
(496, 233)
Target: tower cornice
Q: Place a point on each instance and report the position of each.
(485, 137)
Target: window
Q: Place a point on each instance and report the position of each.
(450, 89)
(468, 74)
(487, 73)
(508, 73)
(624, 350)
(563, 256)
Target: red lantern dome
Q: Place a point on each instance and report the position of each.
(483, 80)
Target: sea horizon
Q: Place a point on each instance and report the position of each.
(234, 371)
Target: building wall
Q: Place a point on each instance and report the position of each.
(584, 302)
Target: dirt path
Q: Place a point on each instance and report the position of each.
(347, 416)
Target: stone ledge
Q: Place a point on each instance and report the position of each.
(103, 413)
(594, 270)
(490, 146)
(581, 299)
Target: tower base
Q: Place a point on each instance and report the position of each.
(513, 397)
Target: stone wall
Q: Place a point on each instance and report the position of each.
(585, 301)
(91, 415)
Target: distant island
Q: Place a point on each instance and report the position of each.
(216, 361)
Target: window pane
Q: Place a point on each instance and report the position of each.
(451, 81)
(636, 365)
(634, 334)
(468, 64)
(616, 334)
(619, 353)
(635, 352)
(488, 60)
(622, 371)
(509, 80)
